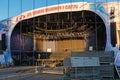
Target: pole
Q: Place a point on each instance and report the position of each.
(36, 69)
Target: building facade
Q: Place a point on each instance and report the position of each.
(73, 26)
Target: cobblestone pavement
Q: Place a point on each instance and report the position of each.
(26, 73)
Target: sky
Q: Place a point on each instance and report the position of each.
(11, 8)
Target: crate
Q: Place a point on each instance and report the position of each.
(104, 71)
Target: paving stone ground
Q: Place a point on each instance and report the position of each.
(26, 73)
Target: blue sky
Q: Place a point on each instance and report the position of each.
(10, 8)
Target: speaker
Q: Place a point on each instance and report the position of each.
(1, 51)
(3, 42)
(113, 33)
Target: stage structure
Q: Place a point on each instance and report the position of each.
(76, 26)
